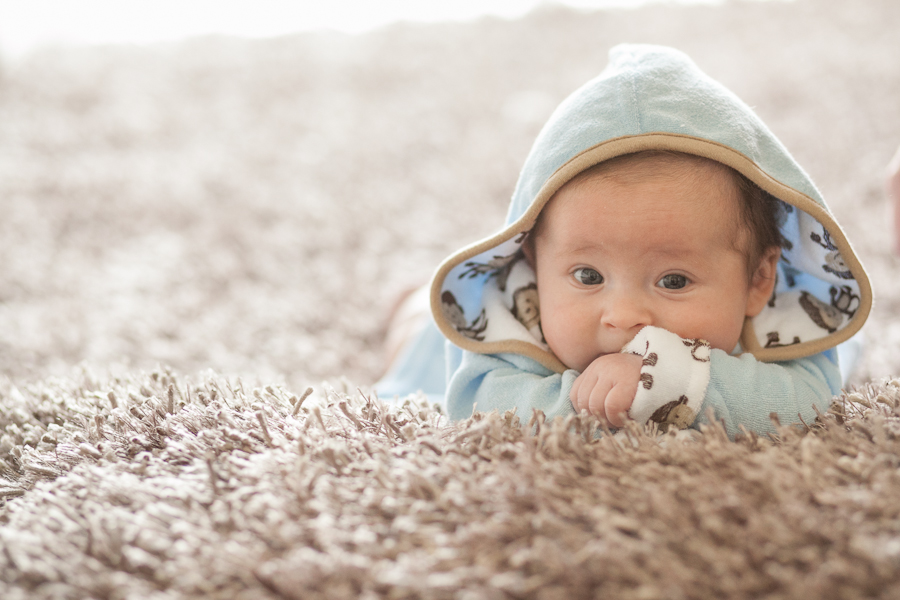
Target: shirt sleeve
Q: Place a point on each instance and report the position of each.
(682, 380)
(487, 382)
(745, 391)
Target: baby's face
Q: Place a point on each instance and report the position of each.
(614, 255)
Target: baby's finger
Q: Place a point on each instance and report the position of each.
(618, 402)
(581, 390)
(597, 398)
(573, 395)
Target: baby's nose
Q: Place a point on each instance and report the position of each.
(625, 312)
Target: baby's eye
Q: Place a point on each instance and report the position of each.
(586, 276)
(673, 281)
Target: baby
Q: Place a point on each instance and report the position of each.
(663, 257)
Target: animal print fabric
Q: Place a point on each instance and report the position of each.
(674, 377)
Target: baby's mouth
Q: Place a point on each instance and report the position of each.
(617, 346)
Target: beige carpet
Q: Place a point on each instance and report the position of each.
(254, 208)
(159, 487)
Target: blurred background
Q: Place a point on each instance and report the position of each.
(249, 187)
(26, 25)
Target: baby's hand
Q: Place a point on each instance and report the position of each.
(606, 389)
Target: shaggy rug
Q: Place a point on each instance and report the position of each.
(255, 208)
(159, 487)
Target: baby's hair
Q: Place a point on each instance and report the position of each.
(758, 209)
(759, 213)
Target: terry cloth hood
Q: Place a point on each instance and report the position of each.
(484, 297)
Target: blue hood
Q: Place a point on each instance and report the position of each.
(656, 98)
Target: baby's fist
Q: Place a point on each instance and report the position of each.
(606, 389)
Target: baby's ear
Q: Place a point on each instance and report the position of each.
(762, 283)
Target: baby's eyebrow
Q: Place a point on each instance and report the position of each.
(683, 255)
(562, 250)
(583, 248)
(678, 251)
